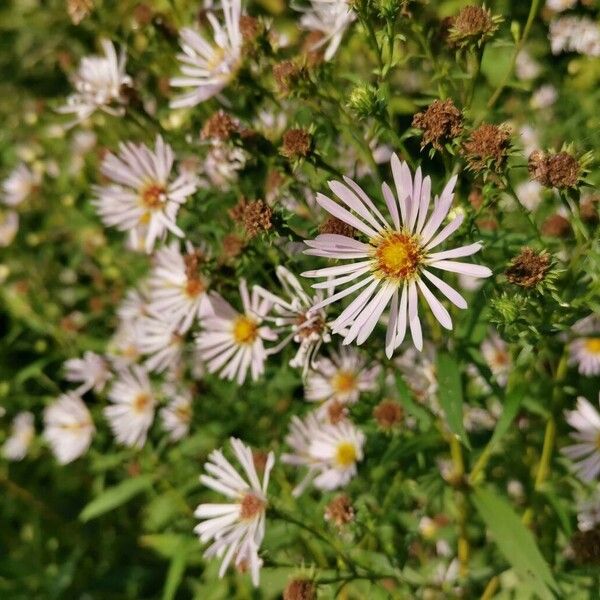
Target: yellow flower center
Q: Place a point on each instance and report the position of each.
(141, 402)
(343, 382)
(245, 330)
(345, 454)
(397, 255)
(251, 506)
(592, 345)
(152, 196)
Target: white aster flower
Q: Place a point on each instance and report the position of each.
(9, 226)
(132, 410)
(526, 67)
(144, 197)
(529, 139)
(92, 371)
(331, 18)
(222, 164)
(393, 265)
(588, 513)
(341, 378)
(529, 194)
(575, 34)
(68, 427)
(231, 343)
(134, 305)
(21, 182)
(419, 369)
(544, 97)
(586, 452)
(560, 5)
(124, 347)
(497, 356)
(585, 350)
(177, 289)
(161, 342)
(98, 84)
(208, 67)
(177, 415)
(21, 435)
(236, 528)
(293, 317)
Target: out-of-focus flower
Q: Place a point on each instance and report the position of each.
(526, 67)
(529, 139)
(21, 182)
(393, 266)
(420, 373)
(586, 452)
(560, 5)
(331, 18)
(68, 427)
(231, 343)
(529, 194)
(176, 416)
(588, 513)
(544, 97)
(92, 371)
(21, 435)
(222, 164)
(585, 351)
(159, 339)
(143, 197)
(575, 34)
(132, 410)
(496, 355)
(208, 67)
(98, 83)
(9, 226)
(236, 528)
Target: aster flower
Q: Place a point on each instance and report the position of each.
(68, 427)
(92, 371)
(132, 410)
(144, 197)
(586, 452)
(9, 226)
(496, 355)
(21, 435)
(177, 415)
(393, 265)
(330, 451)
(560, 5)
(341, 378)
(98, 84)
(21, 182)
(222, 164)
(161, 342)
(419, 369)
(236, 528)
(208, 67)
(294, 317)
(331, 18)
(177, 289)
(588, 513)
(575, 34)
(585, 350)
(231, 343)
(529, 194)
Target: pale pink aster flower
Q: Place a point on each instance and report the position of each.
(393, 265)
(544, 97)
(98, 84)
(331, 18)
(177, 289)
(9, 226)
(143, 197)
(176, 416)
(135, 304)
(20, 183)
(585, 351)
(231, 343)
(236, 528)
(342, 378)
(526, 67)
(586, 452)
(497, 356)
(573, 33)
(132, 410)
(162, 344)
(207, 68)
(68, 427)
(560, 5)
(92, 371)
(21, 435)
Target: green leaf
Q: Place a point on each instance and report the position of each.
(510, 408)
(175, 572)
(515, 542)
(115, 496)
(450, 395)
(411, 406)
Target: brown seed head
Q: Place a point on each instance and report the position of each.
(286, 74)
(556, 226)
(561, 170)
(143, 14)
(313, 52)
(440, 122)
(232, 246)
(476, 198)
(340, 511)
(300, 589)
(528, 268)
(586, 547)
(219, 126)
(253, 215)
(250, 28)
(487, 146)
(336, 412)
(588, 209)
(296, 143)
(388, 414)
(334, 225)
(472, 24)
(79, 9)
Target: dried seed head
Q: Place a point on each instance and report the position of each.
(253, 215)
(556, 226)
(588, 209)
(334, 225)
(300, 589)
(340, 511)
(586, 547)
(388, 414)
(79, 10)
(473, 25)
(440, 123)
(273, 184)
(487, 147)
(250, 28)
(336, 412)
(476, 197)
(296, 143)
(232, 246)
(219, 126)
(143, 14)
(286, 74)
(528, 268)
(559, 170)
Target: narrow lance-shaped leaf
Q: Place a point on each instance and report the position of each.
(450, 395)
